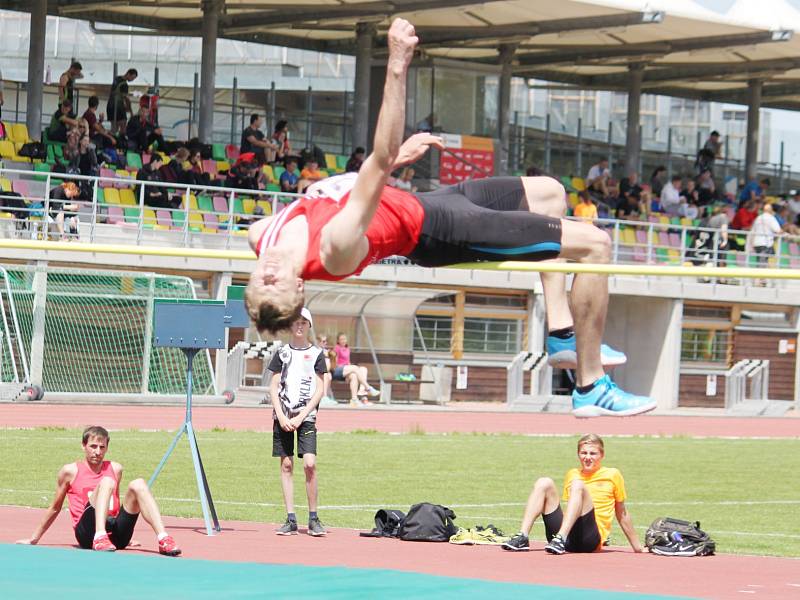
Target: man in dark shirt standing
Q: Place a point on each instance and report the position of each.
(253, 140)
(61, 120)
(119, 105)
(66, 84)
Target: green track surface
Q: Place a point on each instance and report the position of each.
(30, 572)
(743, 491)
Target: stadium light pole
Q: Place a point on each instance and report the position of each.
(754, 90)
(633, 136)
(506, 56)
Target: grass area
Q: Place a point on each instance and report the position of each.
(744, 492)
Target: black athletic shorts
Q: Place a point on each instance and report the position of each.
(283, 441)
(584, 535)
(119, 528)
(483, 220)
(338, 374)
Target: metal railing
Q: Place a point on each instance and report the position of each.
(746, 380)
(225, 225)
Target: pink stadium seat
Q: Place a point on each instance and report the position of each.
(146, 156)
(107, 173)
(795, 263)
(654, 219)
(663, 239)
(116, 215)
(794, 249)
(210, 220)
(640, 250)
(221, 205)
(21, 187)
(210, 166)
(675, 240)
(164, 217)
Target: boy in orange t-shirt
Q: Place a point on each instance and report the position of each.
(594, 495)
(585, 209)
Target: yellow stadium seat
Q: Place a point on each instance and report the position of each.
(195, 218)
(20, 133)
(223, 165)
(149, 216)
(248, 204)
(686, 222)
(578, 183)
(267, 206)
(240, 232)
(6, 215)
(193, 202)
(269, 172)
(7, 149)
(111, 196)
(628, 236)
(5, 184)
(663, 219)
(209, 230)
(573, 200)
(127, 198)
(330, 162)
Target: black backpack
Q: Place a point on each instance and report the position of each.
(426, 522)
(673, 537)
(33, 150)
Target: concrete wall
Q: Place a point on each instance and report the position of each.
(648, 330)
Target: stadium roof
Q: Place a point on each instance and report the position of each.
(684, 49)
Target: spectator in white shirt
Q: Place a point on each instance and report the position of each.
(671, 196)
(765, 229)
(794, 207)
(597, 178)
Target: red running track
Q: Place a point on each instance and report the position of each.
(440, 421)
(616, 569)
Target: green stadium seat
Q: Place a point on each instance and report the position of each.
(238, 206)
(101, 195)
(273, 187)
(41, 168)
(178, 218)
(131, 214)
(134, 160)
(218, 152)
(205, 203)
(278, 170)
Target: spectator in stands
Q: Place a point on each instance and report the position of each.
(71, 152)
(765, 229)
(243, 174)
(280, 137)
(119, 104)
(794, 207)
(63, 211)
(155, 196)
(66, 84)
(783, 217)
(309, 175)
(706, 188)
(253, 140)
(100, 137)
(688, 209)
(745, 216)
(713, 149)
(201, 177)
(354, 375)
(585, 209)
(355, 160)
(61, 121)
(629, 186)
(755, 190)
(143, 133)
(404, 181)
(671, 195)
(597, 179)
(690, 192)
(657, 180)
(629, 207)
(290, 178)
(175, 171)
(708, 247)
(87, 158)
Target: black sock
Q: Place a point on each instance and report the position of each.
(312, 515)
(563, 334)
(292, 517)
(585, 389)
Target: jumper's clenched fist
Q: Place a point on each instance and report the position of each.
(402, 41)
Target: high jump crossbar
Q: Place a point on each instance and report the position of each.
(510, 265)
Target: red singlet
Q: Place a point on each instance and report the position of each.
(83, 486)
(394, 229)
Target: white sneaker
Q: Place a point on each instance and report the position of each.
(372, 392)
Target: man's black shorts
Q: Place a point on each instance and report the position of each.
(483, 220)
(283, 441)
(584, 535)
(119, 528)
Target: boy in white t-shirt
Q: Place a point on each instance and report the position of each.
(296, 389)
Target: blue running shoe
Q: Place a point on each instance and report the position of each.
(562, 354)
(606, 399)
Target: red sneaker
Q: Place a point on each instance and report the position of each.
(103, 544)
(168, 547)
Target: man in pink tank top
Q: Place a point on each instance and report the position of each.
(91, 487)
(353, 220)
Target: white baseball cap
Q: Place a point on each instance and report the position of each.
(306, 314)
